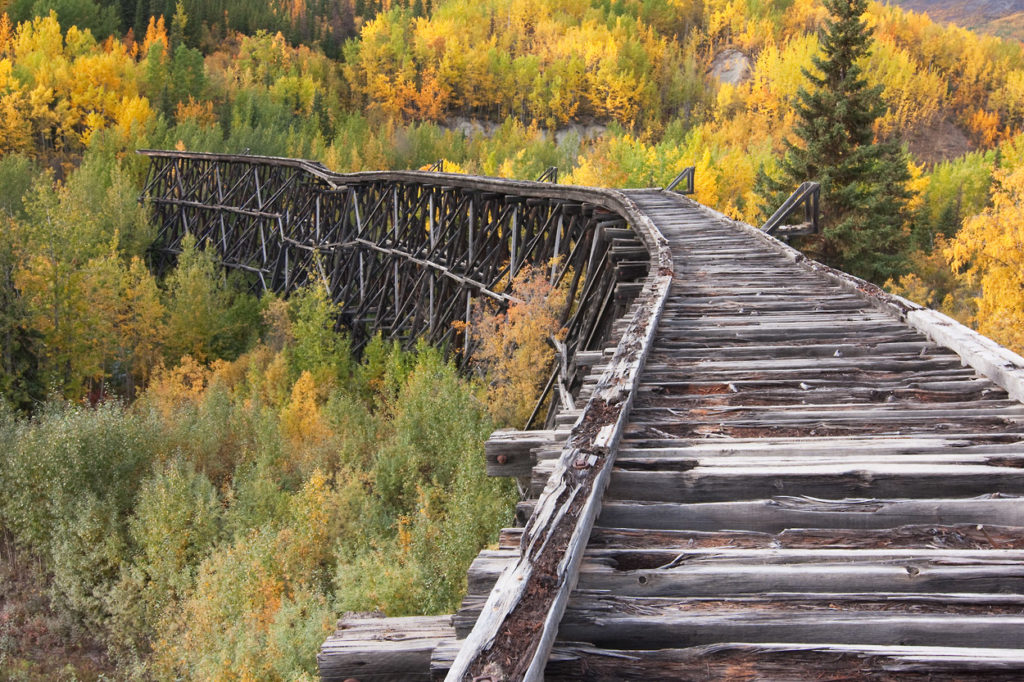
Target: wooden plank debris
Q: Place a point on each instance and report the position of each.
(373, 648)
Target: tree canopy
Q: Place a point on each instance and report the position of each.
(864, 182)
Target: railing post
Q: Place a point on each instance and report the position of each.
(550, 174)
(806, 195)
(686, 174)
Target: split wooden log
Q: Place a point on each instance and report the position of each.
(378, 649)
(654, 623)
(952, 536)
(818, 445)
(875, 480)
(775, 515)
(721, 572)
(689, 480)
(508, 452)
(795, 662)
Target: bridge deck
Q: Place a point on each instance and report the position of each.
(806, 483)
(807, 488)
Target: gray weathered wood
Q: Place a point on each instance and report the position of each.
(508, 452)
(378, 649)
(778, 514)
(747, 662)
(721, 572)
(632, 622)
(568, 506)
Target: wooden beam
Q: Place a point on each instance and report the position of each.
(377, 649)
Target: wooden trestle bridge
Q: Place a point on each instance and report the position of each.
(752, 467)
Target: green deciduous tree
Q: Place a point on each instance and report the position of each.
(864, 192)
(207, 317)
(176, 522)
(68, 481)
(316, 347)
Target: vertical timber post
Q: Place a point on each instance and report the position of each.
(317, 219)
(558, 243)
(359, 233)
(394, 231)
(515, 239)
(433, 276)
(465, 340)
(220, 213)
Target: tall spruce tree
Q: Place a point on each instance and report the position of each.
(863, 183)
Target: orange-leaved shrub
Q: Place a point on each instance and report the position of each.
(513, 348)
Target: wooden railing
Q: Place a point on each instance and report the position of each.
(806, 196)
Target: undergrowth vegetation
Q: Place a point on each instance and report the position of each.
(217, 527)
(513, 347)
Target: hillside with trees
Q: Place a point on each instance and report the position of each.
(199, 480)
(1003, 18)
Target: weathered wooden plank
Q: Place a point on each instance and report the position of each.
(878, 480)
(378, 649)
(797, 428)
(638, 461)
(885, 410)
(1003, 366)
(751, 318)
(959, 536)
(604, 554)
(894, 443)
(842, 618)
(855, 375)
(797, 662)
(507, 452)
(827, 395)
(813, 366)
(651, 623)
(879, 388)
(777, 514)
(701, 350)
(721, 430)
(730, 572)
(753, 334)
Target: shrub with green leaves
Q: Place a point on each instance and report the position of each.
(430, 496)
(217, 527)
(178, 519)
(68, 484)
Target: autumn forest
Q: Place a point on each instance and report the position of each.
(196, 481)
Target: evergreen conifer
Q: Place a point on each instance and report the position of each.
(863, 182)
